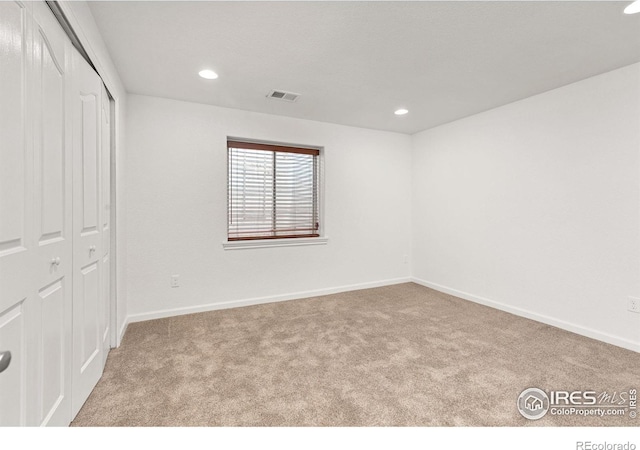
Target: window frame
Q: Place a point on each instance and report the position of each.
(312, 238)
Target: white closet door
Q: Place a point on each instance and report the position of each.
(16, 213)
(52, 346)
(88, 332)
(54, 220)
(35, 218)
(105, 195)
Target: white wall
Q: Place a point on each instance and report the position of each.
(84, 25)
(534, 207)
(177, 216)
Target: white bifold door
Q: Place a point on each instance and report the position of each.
(17, 253)
(90, 224)
(54, 220)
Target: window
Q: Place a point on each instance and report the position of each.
(273, 191)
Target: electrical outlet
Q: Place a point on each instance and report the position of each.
(405, 259)
(175, 281)
(633, 304)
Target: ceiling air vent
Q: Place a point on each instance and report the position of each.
(283, 95)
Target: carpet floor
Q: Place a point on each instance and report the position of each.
(401, 355)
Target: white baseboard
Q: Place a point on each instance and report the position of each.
(122, 331)
(160, 314)
(568, 326)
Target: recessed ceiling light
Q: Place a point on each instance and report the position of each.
(633, 8)
(401, 112)
(208, 74)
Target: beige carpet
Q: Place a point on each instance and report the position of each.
(396, 355)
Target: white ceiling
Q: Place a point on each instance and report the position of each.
(354, 63)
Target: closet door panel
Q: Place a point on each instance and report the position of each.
(52, 218)
(88, 322)
(105, 195)
(16, 242)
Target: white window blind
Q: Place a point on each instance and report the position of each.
(273, 191)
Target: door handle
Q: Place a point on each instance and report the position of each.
(55, 261)
(5, 360)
